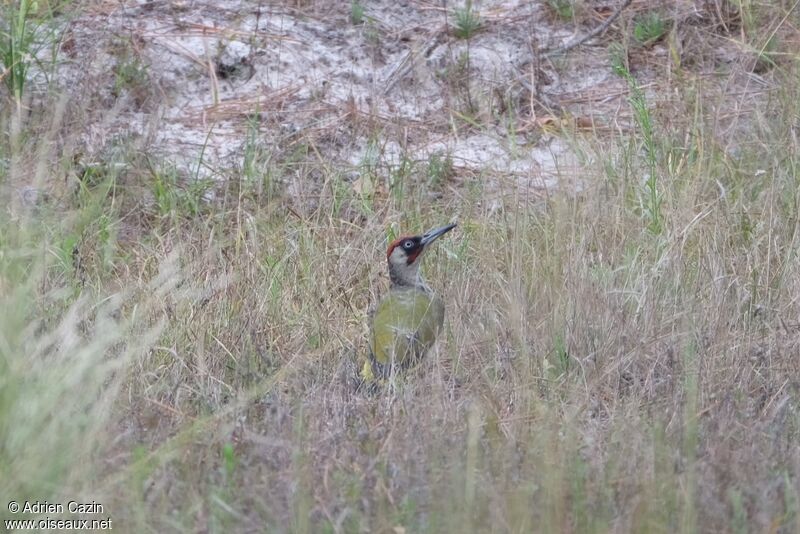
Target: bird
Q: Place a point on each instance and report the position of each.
(406, 321)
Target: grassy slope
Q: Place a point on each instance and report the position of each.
(188, 364)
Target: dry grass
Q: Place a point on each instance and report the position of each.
(190, 363)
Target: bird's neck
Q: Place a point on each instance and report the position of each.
(407, 277)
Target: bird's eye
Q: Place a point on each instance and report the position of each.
(408, 245)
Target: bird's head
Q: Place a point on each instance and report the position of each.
(404, 253)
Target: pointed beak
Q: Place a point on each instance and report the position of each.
(432, 235)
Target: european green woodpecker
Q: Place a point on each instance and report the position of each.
(406, 321)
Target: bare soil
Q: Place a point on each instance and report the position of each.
(189, 79)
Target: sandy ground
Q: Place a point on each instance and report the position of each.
(193, 82)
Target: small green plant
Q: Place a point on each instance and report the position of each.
(399, 177)
(746, 12)
(649, 28)
(738, 511)
(467, 21)
(619, 59)
(340, 193)
(766, 56)
(131, 72)
(229, 460)
(131, 75)
(456, 74)
(174, 199)
(440, 168)
(559, 363)
(364, 186)
(457, 77)
(562, 8)
(652, 204)
(356, 12)
(641, 113)
(257, 167)
(16, 41)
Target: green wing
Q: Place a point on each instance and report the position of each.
(405, 326)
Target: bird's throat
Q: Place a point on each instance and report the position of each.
(406, 276)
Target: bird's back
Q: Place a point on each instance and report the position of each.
(404, 326)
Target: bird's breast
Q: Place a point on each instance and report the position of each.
(411, 308)
(406, 321)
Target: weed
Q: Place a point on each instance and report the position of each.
(399, 178)
(641, 114)
(649, 28)
(372, 34)
(457, 77)
(467, 21)
(766, 56)
(229, 459)
(15, 47)
(356, 12)
(257, 168)
(440, 169)
(24, 31)
(173, 197)
(558, 363)
(130, 74)
(747, 12)
(618, 56)
(738, 512)
(564, 9)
